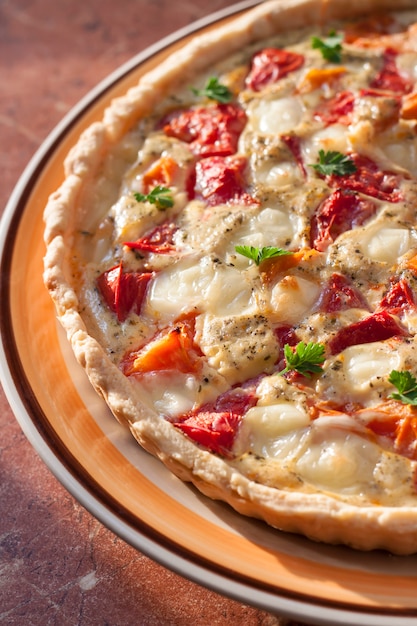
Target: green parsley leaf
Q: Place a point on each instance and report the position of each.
(260, 254)
(406, 384)
(306, 359)
(160, 196)
(332, 162)
(330, 47)
(215, 91)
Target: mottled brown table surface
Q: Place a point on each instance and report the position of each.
(59, 565)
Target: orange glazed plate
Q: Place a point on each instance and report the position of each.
(128, 490)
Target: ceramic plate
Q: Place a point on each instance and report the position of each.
(98, 461)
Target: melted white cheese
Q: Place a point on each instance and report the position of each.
(173, 393)
(283, 174)
(267, 228)
(178, 397)
(333, 137)
(192, 285)
(364, 365)
(386, 244)
(292, 298)
(338, 459)
(276, 117)
(403, 153)
(362, 373)
(274, 420)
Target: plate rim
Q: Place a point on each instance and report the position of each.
(21, 401)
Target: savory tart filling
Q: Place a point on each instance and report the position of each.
(246, 257)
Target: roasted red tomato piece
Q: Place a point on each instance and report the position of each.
(339, 294)
(123, 292)
(159, 240)
(376, 327)
(270, 65)
(380, 93)
(389, 78)
(294, 145)
(172, 349)
(221, 180)
(398, 299)
(214, 425)
(285, 334)
(337, 110)
(209, 131)
(369, 179)
(340, 212)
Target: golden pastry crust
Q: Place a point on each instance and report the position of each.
(263, 490)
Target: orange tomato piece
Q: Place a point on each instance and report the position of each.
(397, 422)
(317, 77)
(390, 420)
(371, 32)
(409, 107)
(412, 263)
(272, 268)
(173, 349)
(162, 172)
(406, 437)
